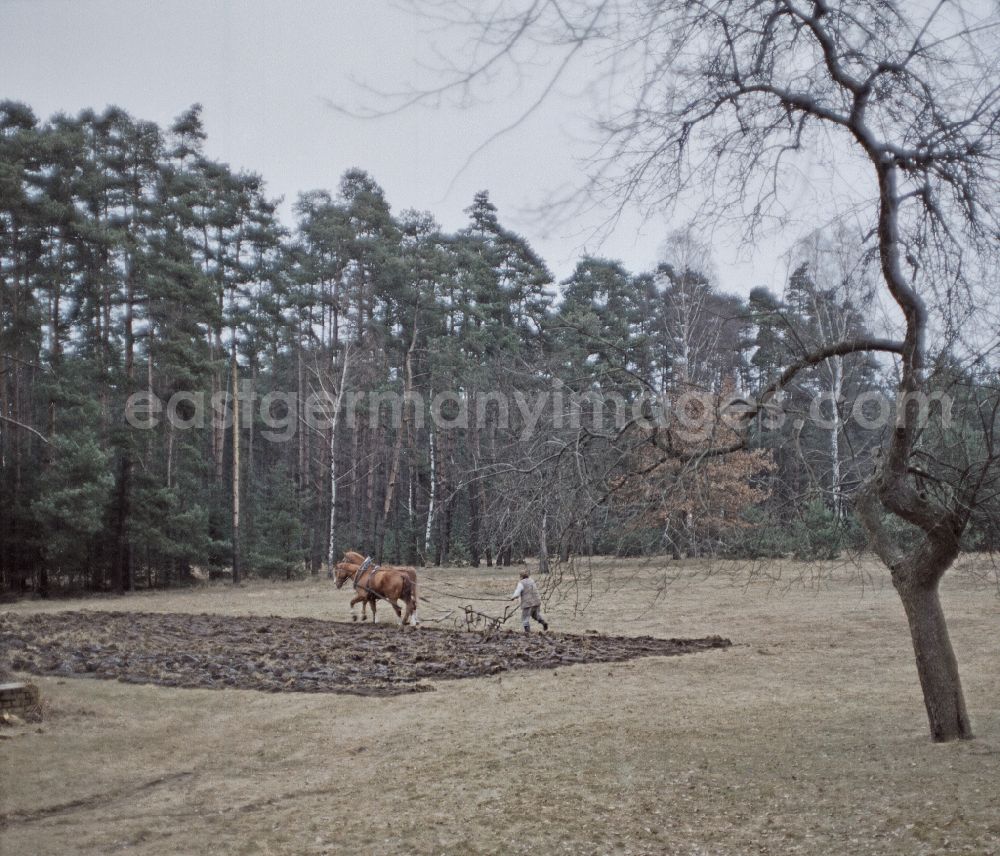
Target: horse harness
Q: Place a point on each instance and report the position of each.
(370, 566)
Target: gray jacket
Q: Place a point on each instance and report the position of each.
(529, 593)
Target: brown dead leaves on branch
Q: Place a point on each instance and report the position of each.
(677, 480)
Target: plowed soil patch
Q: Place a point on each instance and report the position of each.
(295, 654)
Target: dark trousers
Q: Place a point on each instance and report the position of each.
(528, 612)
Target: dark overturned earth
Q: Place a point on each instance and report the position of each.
(295, 654)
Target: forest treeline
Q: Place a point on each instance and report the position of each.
(134, 265)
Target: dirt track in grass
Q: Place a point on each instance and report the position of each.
(279, 654)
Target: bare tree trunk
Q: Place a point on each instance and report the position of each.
(371, 521)
(150, 336)
(433, 492)
(397, 452)
(836, 386)
(692, 535)
(6, 553)
(447, 507)
(121, 562)
(916, 578)
(543, 544)
(331, 540)
(300, 468)
(124, 578)
(474, 527)
(937, 666)
(475, 508)
(170, 455)
(218, 420)
(412, 553)
(236, 470)
(564, 544)
(354, 484)
(56, 353)
(218, 352)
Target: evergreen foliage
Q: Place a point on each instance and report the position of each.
(131, 263)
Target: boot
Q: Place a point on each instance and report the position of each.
(545, 626)
(527, 630)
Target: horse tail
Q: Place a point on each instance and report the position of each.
(409, 590)
(410, 593)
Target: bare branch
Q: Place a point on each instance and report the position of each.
(27, 428)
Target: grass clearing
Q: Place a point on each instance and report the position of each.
(807, 736)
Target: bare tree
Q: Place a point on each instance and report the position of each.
(692, 327)
(725, 96)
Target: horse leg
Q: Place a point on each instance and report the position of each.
(392, 600)
(410, 605)
(371, 600)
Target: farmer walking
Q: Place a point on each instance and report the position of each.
(531, 602)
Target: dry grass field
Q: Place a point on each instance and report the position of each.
(806, 736)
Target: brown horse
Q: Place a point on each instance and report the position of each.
(372, 583)
(354, 558)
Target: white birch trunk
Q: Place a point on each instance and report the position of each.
(836, 386)
(430, 504)
(237, 567)
(331, 539)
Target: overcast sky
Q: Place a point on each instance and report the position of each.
(265, 70)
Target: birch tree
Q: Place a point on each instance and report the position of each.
(335, 398)
(833, 288)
